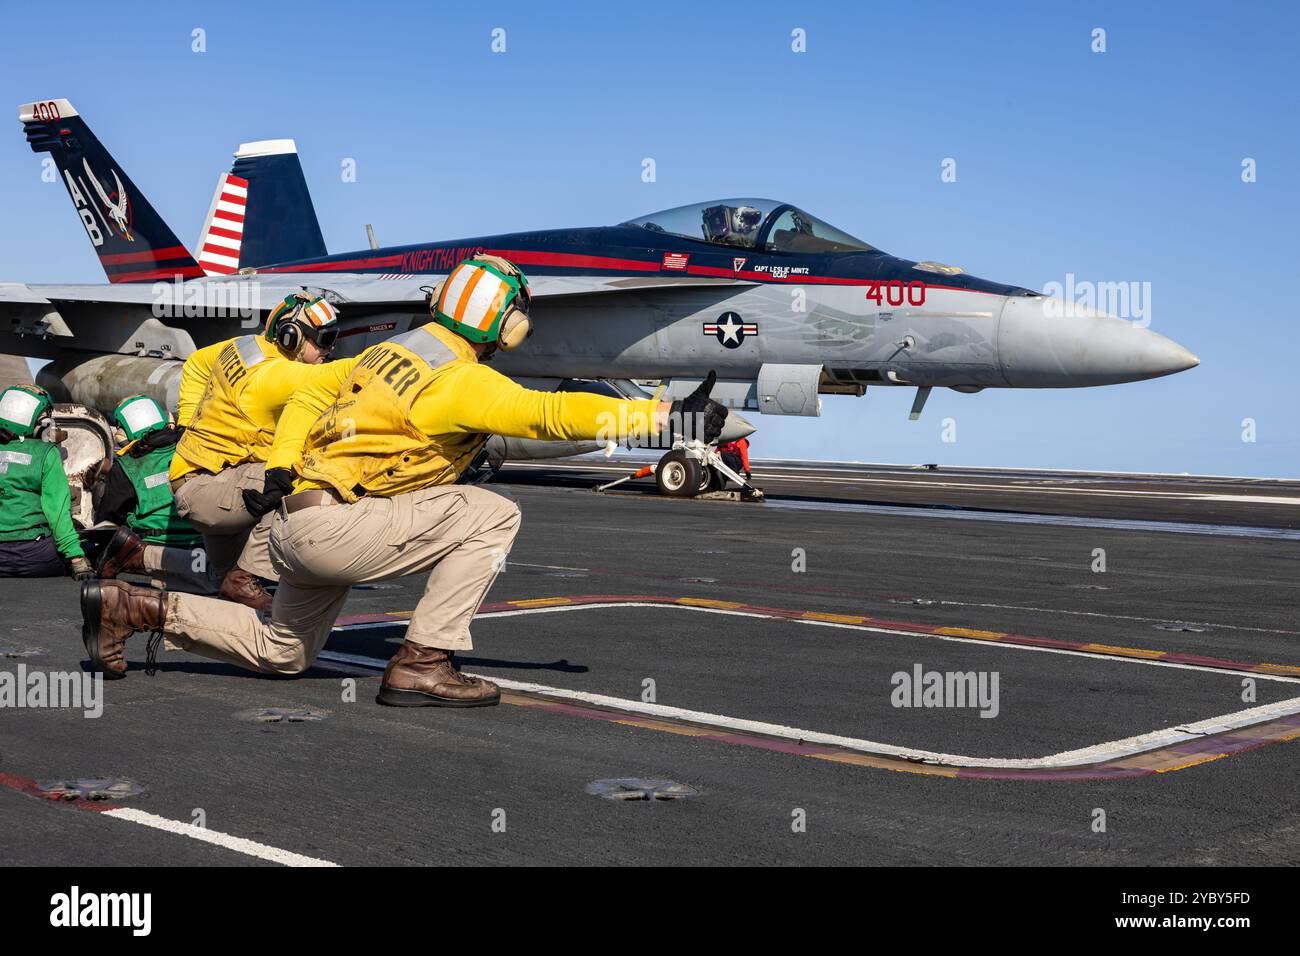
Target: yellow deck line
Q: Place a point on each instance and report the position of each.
(833, 618)
(1284, 670)
(1117, 651)
(709, 602)
(970, 632)
(1204, 758)
(540, 602)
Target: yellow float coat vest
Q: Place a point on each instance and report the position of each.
(221, 434)
(366, 443)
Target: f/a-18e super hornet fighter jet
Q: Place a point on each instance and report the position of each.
(784, 306)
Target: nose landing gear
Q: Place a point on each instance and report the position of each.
(693, 468)
(679, 475)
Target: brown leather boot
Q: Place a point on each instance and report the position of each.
(124, 552)
(111, 611)
(419, 676)
(244, 588)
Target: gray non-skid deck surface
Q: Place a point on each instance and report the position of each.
(378, 785)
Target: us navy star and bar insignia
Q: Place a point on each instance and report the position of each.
(730, 329)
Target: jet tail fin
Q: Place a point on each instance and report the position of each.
(222, 238)
(277, 222)
(130, 238)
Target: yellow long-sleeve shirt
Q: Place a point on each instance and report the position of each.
(194, 381)
(235, 419)
(469, 398)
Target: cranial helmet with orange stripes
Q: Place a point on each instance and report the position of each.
(301, 316)
(485, 300)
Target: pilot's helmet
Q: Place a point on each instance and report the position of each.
(747, 221)
(23, 408)
(485, 300)
(139, 415)
(734, 225)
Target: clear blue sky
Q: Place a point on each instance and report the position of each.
(1121, 166)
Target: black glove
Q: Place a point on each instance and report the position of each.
(277, 484)
(697, 416)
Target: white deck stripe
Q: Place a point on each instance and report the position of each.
(1217, 625)
(238, 844)
(1109, 750)
(894, 467)
(1037, 489)
(964, 513)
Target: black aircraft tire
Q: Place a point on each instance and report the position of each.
(678, 475)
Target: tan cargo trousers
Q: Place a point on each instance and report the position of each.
(214, 505)
(461, 534)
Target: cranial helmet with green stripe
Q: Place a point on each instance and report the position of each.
(486, 300)
(22, 407)
(139, 415)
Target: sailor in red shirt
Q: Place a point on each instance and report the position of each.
(736, 455)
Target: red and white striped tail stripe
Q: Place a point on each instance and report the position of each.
(223, 233)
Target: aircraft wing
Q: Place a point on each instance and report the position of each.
(16, 293)
(262, 292)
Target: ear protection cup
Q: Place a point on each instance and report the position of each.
(515, 327)
(299, 317)
(288, 336)
(276, 319)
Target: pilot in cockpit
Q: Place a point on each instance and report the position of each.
(732, 225)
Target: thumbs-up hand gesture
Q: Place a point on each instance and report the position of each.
(697, 416)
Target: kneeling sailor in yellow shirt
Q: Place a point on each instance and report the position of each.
(376, 497)
(220, 461)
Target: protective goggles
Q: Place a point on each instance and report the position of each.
(325, 338)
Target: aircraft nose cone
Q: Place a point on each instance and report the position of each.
(735, 427)
(1051, 343)
(1167, 356)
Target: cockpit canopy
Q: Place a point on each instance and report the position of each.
(762, 224)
